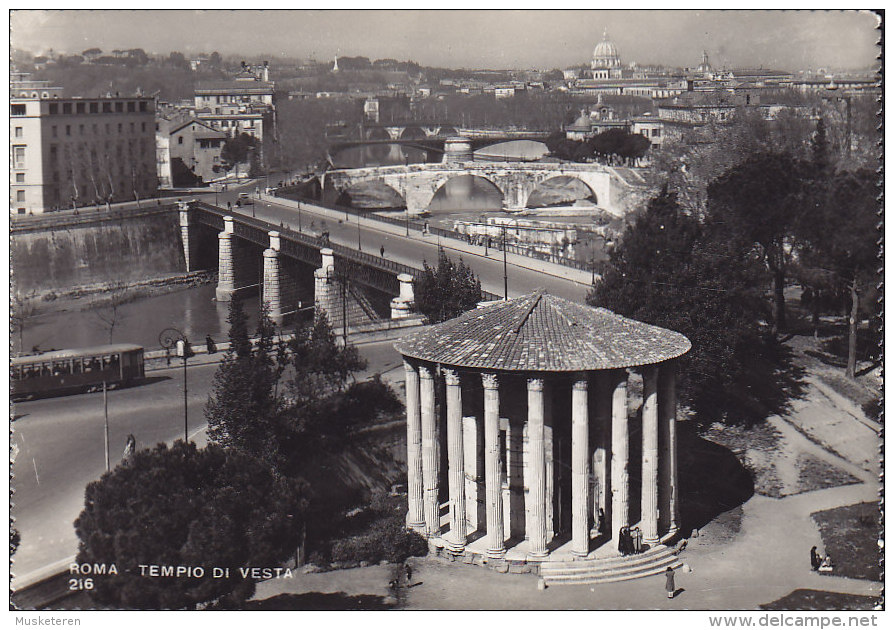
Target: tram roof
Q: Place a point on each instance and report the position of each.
(540, 332)
(70, 353)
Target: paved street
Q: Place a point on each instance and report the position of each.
(58, 446)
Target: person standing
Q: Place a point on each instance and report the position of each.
(669, 582)
(210, 345)
(815, 560)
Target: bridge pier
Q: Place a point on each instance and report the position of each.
(404, 305)
(186, 237)
(280, 287)
(237, 267)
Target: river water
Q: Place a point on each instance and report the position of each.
(195, 312)
(191, 310)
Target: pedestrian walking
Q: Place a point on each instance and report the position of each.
(624, 545)
(669, 582)
(210, 345)
(815, 558)
(129, 447)
(382, 251)
(409, 571)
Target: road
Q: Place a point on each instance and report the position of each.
(58, 446)
(370, 236)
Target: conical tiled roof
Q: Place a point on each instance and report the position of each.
(543, 333)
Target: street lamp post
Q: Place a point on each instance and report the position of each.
(505, 268)
(172, 338)
(359, 246)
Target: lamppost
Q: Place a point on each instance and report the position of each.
(359, 246)
(505, 268)
(171, 338)
(407, 213)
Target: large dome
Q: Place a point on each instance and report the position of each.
(605, 55)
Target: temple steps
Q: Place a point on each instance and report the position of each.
(614, 569)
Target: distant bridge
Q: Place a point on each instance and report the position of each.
(417, 184)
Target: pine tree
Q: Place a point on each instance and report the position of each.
(447, 291)
(670, 271)
(184, 506)
(243, 408)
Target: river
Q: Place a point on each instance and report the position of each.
(191, 310)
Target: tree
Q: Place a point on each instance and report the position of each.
(839, 242)
(214, 61)
(237, 150)
(23, 306)
(319, 365)
(186, 507)
(177, 60)
(819, 150)
(671, 271)
(763, 200)
(107, 309)
(447, 291)
(243, 410)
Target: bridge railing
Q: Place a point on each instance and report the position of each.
(346, 253)
(446, 233)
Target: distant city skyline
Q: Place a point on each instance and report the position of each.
(493, 39)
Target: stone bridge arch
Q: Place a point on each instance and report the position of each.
(345, 187)
(442, 182)
(551, 177)
(413, 133)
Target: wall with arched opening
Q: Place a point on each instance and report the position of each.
(412, 133)
(372, 194)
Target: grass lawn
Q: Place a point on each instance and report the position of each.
(850, 536)
(807, 599)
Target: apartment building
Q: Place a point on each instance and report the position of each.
(70, 152)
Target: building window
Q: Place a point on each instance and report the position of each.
(119, 107)
(95, 129)
(108, 128)
(18, 109)
(79, 108)
(143, 127)
(131, 106)
(21, 211)
(94, 108)
(81, 129)
(54, 108)
(656, 133)
(142, 106)
(132, 128)
(18, 157)
(67, 130)
(54, 130)
(179, 139)
(20, 178)
(106, 108)
(20, 196)
(19, 132)
(66, 108)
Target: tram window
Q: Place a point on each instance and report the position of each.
(46, 369)
(16, 373)
(90, 365)
(61, 367)
(114, 362)
(77, 366)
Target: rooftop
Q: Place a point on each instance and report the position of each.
(540, 332)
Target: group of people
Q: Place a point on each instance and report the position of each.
(819, 562)
(395, 582)
(630, 541)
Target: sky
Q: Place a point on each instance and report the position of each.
(495, 39)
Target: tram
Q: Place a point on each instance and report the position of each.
(81, 369)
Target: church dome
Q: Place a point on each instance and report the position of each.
(605, 55)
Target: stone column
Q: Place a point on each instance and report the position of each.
(226, 272)
(183, 207)
(430, 452)
(580, 469)
(415, 513)
(620, 455)
(537, 482)
(455, 468)
(403, 305)
(492, 469)
(667, 419)
(602, 450)
(649, 503)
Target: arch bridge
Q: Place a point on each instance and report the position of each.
(417, 184)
